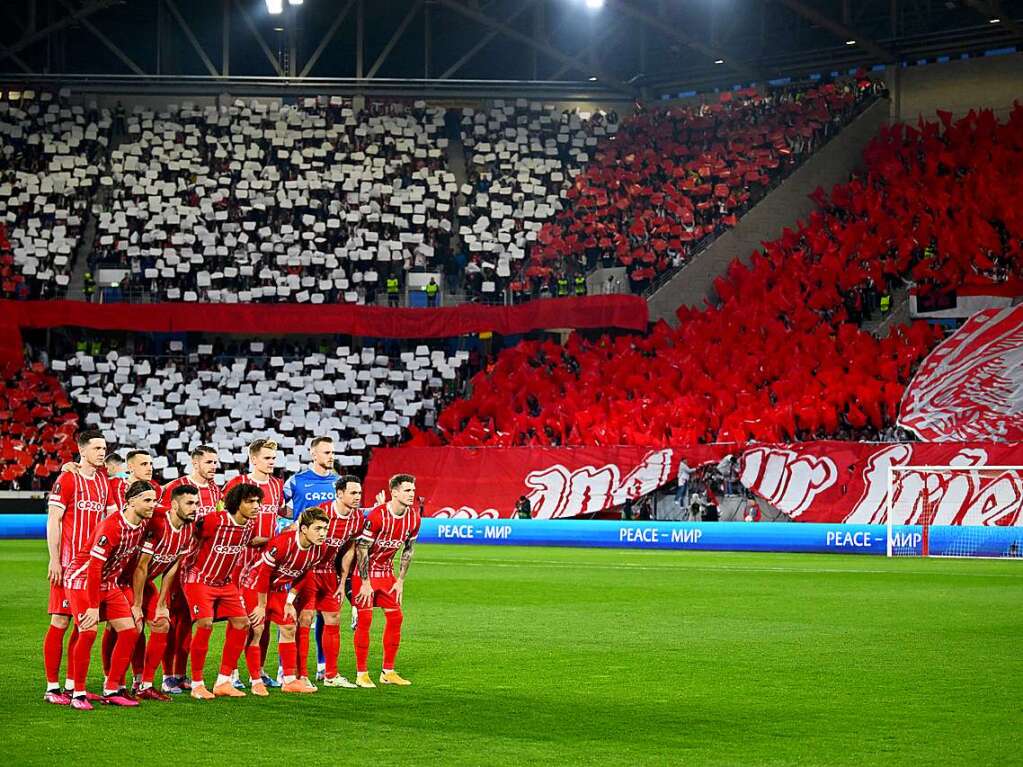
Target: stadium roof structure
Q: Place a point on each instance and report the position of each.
(614, 49)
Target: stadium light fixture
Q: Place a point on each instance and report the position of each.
(593, 78)
(850, 42)
(294, 2)
(274, 7)
(993, 21)
(594, 5)
(719, 61)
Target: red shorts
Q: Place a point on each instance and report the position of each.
(205, 601)
(275, 602)
(59, 602)
(113, 603)
(316, 592)
(176, 607)
(382, 596)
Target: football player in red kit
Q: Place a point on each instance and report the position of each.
(204, 466)
(92, 581)
(168, 538)
(262, 459)
(140, 469)
(268, 593)
(75, 508)
(322, 589)
(390, 526)
(211, 590)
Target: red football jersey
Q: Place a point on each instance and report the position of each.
(265, 523)
(282, 563)
(116, 543)
(386, 533)
(220, 542)
(209, 495)
(119, 486)
(165, 545)
(340, 531)
(85, 502)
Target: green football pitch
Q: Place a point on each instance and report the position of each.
(569, 656)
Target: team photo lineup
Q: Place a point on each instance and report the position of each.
(160, 566)
(494, 383)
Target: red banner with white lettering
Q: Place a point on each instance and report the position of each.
(808, 482)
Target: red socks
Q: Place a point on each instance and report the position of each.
(83, 651)
(121, 657)
(170, 651)
(331, 647)
(392, 637)
(264, 643)
(72, 658)
(182, 646)
(253, 661)
(107, 648)
(200, 647)
(234, 643)
(289, 657)
(53, 651)
(361, 639)
(138, 658)
(154, 655)
(302, 642)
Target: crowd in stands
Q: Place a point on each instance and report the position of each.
(520, 157)
(37, 426)
(326, 199)
(781, 357)
(674, 176)
(50, 158)
(220, 393)
(319, 202)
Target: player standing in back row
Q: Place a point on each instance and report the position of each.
(77, 505)
(311, 487)
(390, 526)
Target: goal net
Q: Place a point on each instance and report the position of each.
(955, 511)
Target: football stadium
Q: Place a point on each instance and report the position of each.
(668, 352)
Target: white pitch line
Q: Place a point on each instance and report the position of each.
(700, 568)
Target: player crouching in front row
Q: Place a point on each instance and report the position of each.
(93, 584)
(268, 594)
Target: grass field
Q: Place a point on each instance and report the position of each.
(528, 656)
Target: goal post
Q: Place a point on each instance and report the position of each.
(955, 511)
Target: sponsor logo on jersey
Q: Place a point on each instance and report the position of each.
(320, 496)
(222, 548)
(87, 505)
